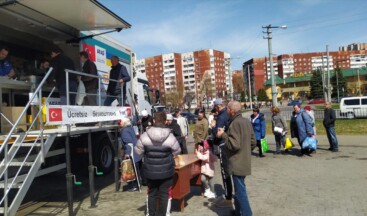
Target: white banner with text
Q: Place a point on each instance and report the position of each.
(57, 115)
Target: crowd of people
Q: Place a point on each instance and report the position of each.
(224, 135)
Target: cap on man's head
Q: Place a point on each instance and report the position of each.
(308, 108)
(169, 117)
(144, 113)
(218, 101)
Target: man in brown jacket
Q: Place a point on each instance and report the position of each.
(239, 141)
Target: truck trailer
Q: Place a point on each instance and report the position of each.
(34, 148)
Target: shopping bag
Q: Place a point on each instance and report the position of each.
(80, 93)
(264, 145)
(127, 171)
(288, 143)
(310, 143)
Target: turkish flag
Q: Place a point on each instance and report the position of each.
(55, 114)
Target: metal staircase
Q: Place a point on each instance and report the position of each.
(21, 156)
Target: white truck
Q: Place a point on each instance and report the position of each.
(29, 28)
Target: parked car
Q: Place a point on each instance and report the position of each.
(292, 103)
(191, 118)
(317, 101)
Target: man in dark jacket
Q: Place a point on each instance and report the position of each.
(146, 121)
(221, 122)
(119, 73)
(175, 128)
(90, 83)
(59, 63)
(329, 124)
(239, 141)
(158, 147)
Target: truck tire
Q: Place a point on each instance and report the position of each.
(103, 154)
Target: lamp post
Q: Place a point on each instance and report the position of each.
(249, 85)
(269, 37)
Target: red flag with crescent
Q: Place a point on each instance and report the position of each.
(55, 114)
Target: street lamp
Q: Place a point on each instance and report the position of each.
(269, 37)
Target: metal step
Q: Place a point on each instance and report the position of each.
(15, 185)
(2, 210)
(16, 163)
(28, 144)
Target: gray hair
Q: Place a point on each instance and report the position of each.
(126, 122)
(235, 106)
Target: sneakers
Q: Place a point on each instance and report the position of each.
(224, 203)
(210, 195)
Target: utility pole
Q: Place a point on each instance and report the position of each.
(249, 85)
(323, 78)
(269, 37)
(328, 75)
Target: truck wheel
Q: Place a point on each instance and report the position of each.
(104, 154)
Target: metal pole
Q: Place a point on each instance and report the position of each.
(323, 78)
(69, 175)
(249, 85)
(328, 75)
(273, 86)
(6, 160)
(116, 161)
(67, 88)
(41, 127)
(359, 83)
(91, 171)
(337, 83)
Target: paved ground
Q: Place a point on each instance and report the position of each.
(325, 184)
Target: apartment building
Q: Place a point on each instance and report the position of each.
(204, 74)
(289, 65)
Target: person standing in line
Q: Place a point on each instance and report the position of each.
(278, 121)
(201, 128)
(329, 124)
(175, 128)
(303, 123)
(310, 112)
(118, 72)
(239, 142)
(146, 121)
(59, 63)
(6, 69)
(221, 122)
(259, 126)
(184, 126)
(90, 83)
(158, 147)
(128, 135)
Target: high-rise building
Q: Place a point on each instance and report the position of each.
(203, 74)
(354, 46)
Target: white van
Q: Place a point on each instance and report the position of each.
(354, 107)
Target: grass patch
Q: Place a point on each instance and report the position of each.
(342, 127)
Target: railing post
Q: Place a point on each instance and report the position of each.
(67, 87)
(41, 126)
(91, 171)
(6, 159)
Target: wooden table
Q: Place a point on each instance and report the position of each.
(186, 174)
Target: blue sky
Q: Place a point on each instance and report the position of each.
(234, 26)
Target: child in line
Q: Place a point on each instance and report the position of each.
(205, 154)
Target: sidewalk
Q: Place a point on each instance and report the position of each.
(325, 184)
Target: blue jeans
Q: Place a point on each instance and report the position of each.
(331, 136)
(241, 202)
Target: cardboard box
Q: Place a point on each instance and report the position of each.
(12, 114)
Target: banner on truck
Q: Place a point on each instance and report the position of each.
(57, 115)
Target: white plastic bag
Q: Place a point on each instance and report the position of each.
(80, 93)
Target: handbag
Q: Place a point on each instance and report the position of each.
(264, 145)
(310, 143)
(288, 143)
(127, 171)
(278, 130)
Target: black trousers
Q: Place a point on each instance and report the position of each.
(161, 188)
(183, 146)
(258, 144)
(226, 177)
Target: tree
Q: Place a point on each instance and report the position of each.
(261, 95)
(238, 83)
(317, 90)
(338, 81)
